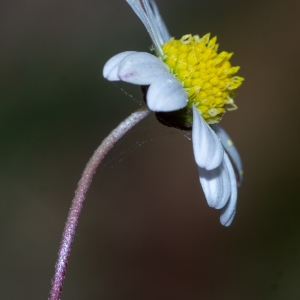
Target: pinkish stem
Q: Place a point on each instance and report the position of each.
(80, 194)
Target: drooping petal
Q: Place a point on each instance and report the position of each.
(141, 68)
(208, 150)
(166, 94)
(110, 70)
(228, 212)
(216, 185)
(160, 22)
(231, 150)
(144, 11)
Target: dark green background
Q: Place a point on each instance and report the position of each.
(146, 231)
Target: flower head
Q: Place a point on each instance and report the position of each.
(206, 75)
(190, 86)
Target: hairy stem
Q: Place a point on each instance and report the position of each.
(80, 194)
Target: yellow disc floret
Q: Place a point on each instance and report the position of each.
(207, 76)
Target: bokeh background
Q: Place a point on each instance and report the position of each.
(146, 231)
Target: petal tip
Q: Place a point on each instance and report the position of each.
(227, 221)
(166, 94)
(111, 67)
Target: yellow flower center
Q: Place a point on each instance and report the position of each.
(207, 76)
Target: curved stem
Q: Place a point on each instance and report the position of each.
(80, 194)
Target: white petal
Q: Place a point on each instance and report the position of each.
(208, 150)
(231, 150)
(228, 212)
(166, 94)
(110, 70)
(144, 11)
(160, 22)
(141, 68)
(216, 185)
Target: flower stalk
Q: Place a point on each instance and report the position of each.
(80, 195)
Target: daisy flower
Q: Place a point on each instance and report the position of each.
(189, 85)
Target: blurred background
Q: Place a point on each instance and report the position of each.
(146, 231)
